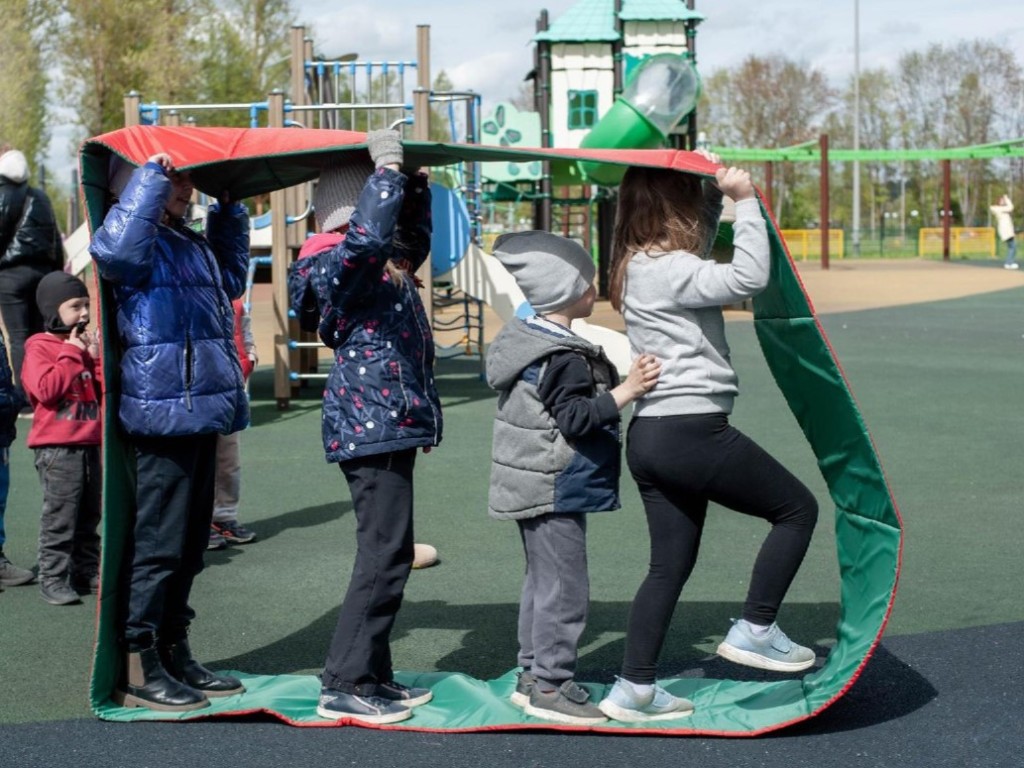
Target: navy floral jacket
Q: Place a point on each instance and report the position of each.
(380, 395)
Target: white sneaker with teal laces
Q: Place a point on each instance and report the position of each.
(771, 650)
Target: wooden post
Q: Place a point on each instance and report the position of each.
(947, 209)
(279, 270)
(132, 101)
(421, 132)
(769, 182)
(823, 143)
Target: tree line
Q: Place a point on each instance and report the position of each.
(955, 94)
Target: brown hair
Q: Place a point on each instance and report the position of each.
(658, 209)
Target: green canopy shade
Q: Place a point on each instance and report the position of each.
(868, 527)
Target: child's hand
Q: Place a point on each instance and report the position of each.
(735, 183)
(707, 155)
(92, 343)
(643, 374)
(78, 338)
(163, 160)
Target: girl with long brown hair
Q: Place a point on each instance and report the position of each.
(681, 449)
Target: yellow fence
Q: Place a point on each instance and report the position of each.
(977, 241)
(806, 243)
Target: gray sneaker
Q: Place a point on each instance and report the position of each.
(772, 650)
(58, 592)
(624, 705)
(11, 575)
(524, 687)
(569, 703)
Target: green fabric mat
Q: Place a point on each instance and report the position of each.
(867, 524)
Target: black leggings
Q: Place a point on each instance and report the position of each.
(680, 463)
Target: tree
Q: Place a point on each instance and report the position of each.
(245, 54)
(23, 80)
(769, 102)
(108, 48)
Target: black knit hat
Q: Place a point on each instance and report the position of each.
(54, 290)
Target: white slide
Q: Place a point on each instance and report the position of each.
(481, 275)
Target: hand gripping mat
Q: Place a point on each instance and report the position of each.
(868, 526)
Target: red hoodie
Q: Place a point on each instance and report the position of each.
(60, 380)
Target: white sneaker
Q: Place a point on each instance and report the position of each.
(770, 650)
(1011, 265)
(624, 705)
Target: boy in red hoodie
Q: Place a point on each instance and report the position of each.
(59, 377)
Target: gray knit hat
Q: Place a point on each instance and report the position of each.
(552, 271)
(337, 193)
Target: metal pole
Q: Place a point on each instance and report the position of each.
(769, 182)
(947, 212)
(823, 143)
(856, 127)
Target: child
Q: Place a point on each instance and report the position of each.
(556, 457)
(11, 402)
(180, 386)
(1003, 211)
(225, 528)
(59, 376)
(356, 282)
(681, 450)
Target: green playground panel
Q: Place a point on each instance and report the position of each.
(867, 523)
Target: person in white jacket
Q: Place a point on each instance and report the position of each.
(1002, 210)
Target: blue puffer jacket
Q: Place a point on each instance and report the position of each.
(173, 288)
(380, 395)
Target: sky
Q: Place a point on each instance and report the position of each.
(485, 46)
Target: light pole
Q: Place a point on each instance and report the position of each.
(856, 127)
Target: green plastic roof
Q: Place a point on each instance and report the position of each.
(593, 21)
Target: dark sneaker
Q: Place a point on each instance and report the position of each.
(11, 575)
(86, 585)
(58, 592)
(403, 694)
(233, 532)
(338, 705)
(771, 650)
(623, 704)
(216, 540)
(569, 703)
(524, 687)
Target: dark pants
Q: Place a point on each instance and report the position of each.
(18, 308)
(556, 595)
(359, 656)
(680, 463)
(174, 499)
(69, 545)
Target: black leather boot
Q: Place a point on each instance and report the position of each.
(147, 684)
(177, 658)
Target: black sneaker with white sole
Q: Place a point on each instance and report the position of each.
(338, 705)
(403, 694)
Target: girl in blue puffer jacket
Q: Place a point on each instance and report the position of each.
(180, 386)
(354, 283)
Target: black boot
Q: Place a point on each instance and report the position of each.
(147, 684)
(177, 658)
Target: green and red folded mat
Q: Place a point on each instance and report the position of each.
(868, 529)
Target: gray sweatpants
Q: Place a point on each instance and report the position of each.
(556, 595)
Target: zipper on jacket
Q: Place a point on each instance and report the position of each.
(427, 375)
(189, 354)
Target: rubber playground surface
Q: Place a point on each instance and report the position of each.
(932, 352)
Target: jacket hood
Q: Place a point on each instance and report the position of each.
(322, 241)
(14, 166)
(519, 345)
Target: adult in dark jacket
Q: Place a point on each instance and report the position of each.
(181, 385)
(30, 248)
(380, 405)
